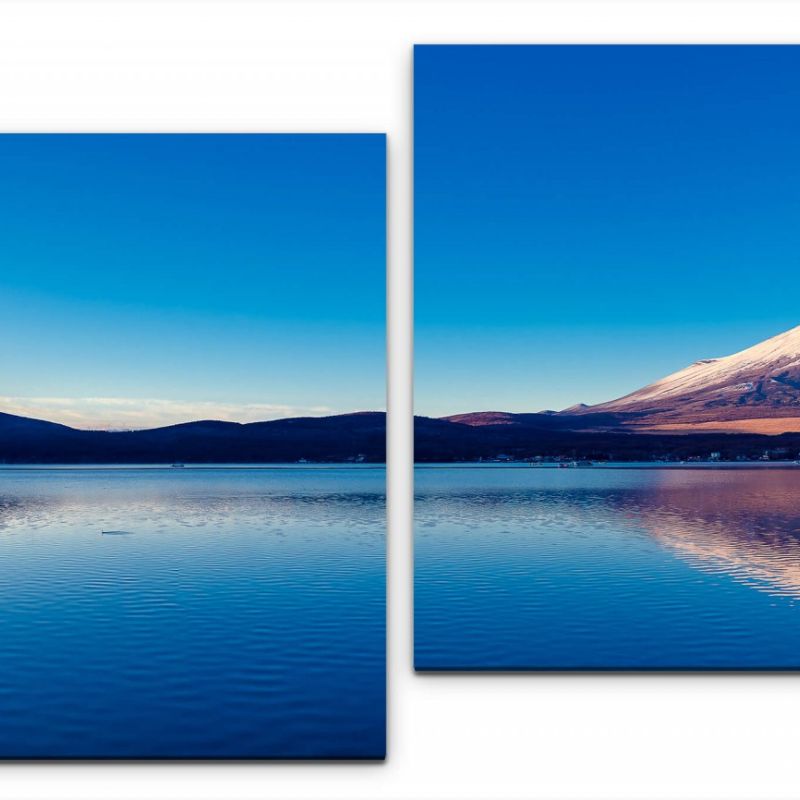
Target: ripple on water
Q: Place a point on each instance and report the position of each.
(223, 613)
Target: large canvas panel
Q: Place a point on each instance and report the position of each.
(607, 357)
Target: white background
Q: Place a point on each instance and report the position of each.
(265, 65)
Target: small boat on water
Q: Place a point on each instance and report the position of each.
(178, 466)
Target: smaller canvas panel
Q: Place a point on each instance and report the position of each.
(192, 446)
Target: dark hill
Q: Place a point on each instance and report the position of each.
(544, 420)
(528, 436)
(342, 438)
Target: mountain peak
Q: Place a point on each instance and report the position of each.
(760, 382)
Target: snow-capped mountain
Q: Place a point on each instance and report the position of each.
(755, 390)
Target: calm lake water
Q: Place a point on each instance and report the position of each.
(607, 568)
(225, 613)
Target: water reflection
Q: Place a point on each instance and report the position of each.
(746, 525)
(601, 568)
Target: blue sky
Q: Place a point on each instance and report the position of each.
(591, 218)
(149, 279)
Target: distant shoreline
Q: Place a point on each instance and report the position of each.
(651, 465)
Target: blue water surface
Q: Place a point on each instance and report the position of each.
(182, 613)
(536, 568)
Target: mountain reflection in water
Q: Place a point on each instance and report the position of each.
(746, 525)
(607, 569)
